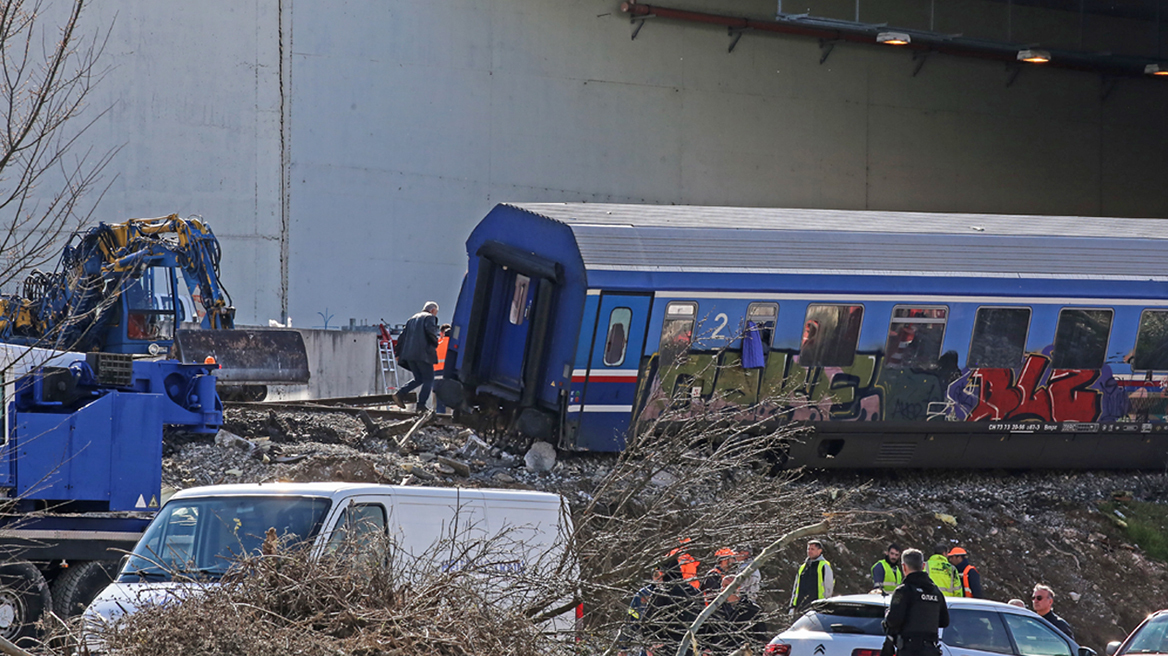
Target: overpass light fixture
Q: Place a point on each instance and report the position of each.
(893, 38)
(1156, 69)
(1034, 56)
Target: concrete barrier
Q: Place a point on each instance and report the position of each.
(340, 363)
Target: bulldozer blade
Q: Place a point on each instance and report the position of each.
(263, 357)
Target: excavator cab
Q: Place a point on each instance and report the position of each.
(146, 316)
(147, 320)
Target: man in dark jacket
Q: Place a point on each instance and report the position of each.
(417, 352)
(1043, 602)
(672, 607)
(735, 623)
(917, 610)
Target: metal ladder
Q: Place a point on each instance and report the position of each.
(388, 360)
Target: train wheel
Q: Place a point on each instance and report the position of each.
(78, 585)
(24, 598)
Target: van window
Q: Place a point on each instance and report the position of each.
(999, 338)
(977, 629)
(677, 330)
(1151, 352)
(203, 536)
(358, 525)
(1081, 339)
(618, 336)
(830, 335)
(763, 316)
(519, 299)
(1035, 637)
(914, 336)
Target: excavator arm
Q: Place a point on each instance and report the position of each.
(102, 297)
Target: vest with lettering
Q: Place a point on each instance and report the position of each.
(944, 575)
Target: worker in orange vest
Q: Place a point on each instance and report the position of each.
(689, 565)
(443, 341)
(970, 578)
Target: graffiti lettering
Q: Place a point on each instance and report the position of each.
(1064, 397)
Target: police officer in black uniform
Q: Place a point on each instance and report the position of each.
(917, 610)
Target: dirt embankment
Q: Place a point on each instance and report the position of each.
(1020, 528)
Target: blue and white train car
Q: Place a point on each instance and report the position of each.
(904, 339)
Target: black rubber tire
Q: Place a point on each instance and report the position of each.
(24, 598)
(79, 584)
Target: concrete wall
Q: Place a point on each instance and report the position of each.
(340, 362)
(400, 123)
(193, 98)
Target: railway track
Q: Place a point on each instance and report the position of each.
(375, 406)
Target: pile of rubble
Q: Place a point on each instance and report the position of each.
(258, 446)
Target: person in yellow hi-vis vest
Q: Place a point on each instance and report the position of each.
(814, 580)
(944, 574)
(887, 573)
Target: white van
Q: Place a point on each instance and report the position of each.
(199, 532)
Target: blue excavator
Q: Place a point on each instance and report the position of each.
(116, 290)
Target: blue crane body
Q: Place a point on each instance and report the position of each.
(82, 468)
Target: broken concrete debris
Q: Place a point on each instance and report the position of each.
(541, 457)
(474, 447)
(452, 466)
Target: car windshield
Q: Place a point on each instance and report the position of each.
(842, 618)
(1151, 638)
(201, 538)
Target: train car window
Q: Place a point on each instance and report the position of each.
(519, 299)
(677, 330)
(915, 335)
(618, 336)
(1151, 352)
(764, 316)
(830, 335)
(999, 338)
(1081, 339)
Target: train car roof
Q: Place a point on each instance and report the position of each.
(624, 237)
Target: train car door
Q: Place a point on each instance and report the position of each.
(511, 344)
(611, 379)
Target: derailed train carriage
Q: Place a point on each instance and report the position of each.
(904, 339)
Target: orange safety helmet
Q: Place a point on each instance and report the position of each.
(957, 551)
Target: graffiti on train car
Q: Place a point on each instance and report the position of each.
(1037, 393)
(867, 390)
(716, 382)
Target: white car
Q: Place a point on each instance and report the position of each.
(850, 626)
